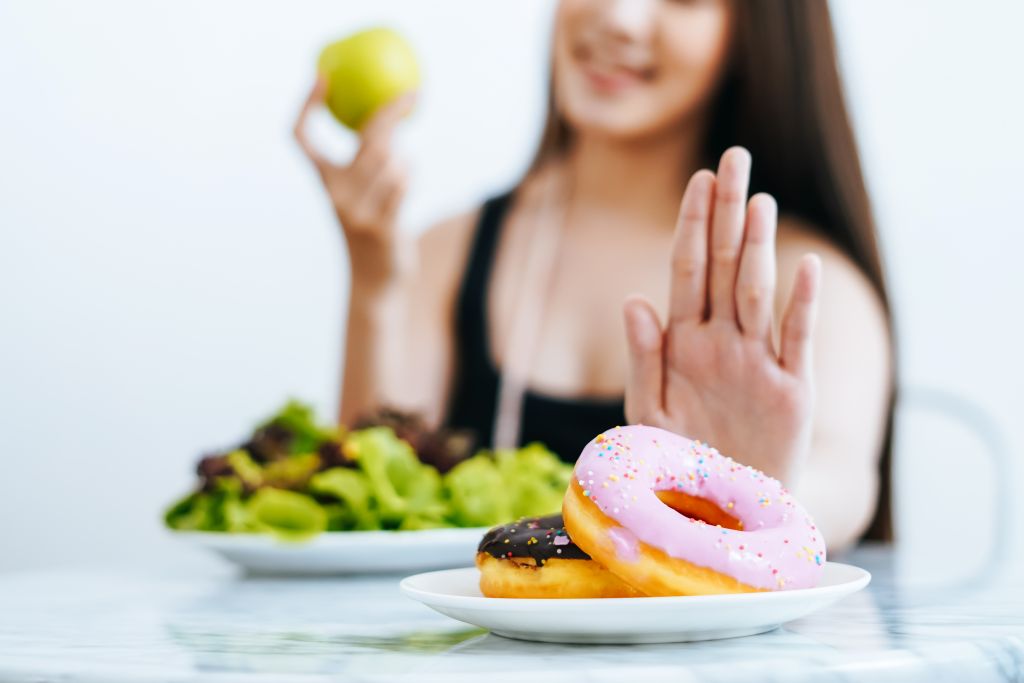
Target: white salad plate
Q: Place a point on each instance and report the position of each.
(343, 552)
(456, 593)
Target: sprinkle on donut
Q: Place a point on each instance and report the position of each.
(741, 523)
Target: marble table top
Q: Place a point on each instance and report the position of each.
(111, 626)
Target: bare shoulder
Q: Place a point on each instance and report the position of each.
(845, 288)
(445, 239)
(853, 348)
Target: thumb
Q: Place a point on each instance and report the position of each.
(644, 337)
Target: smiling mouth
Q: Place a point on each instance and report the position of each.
(610, 75)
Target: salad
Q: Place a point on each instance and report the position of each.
(295, 478)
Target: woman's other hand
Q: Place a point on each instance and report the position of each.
(713, 372)
(367, 192)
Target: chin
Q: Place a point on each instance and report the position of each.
(617, 122)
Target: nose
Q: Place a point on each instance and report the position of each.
(632, 19)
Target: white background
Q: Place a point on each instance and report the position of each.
(170, 271)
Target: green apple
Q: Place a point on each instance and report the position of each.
(366, 71)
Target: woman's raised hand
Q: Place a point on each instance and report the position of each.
(713, 372)
(367, 192)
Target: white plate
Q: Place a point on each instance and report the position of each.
(343, 552)
(456, 593)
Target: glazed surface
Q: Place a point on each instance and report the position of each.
(620, 471)
(542, 538)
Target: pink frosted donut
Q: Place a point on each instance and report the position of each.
(739, 531)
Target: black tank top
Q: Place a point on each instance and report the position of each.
(562, 424)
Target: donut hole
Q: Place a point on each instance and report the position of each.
(699, 508)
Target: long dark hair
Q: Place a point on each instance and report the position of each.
(782, 99)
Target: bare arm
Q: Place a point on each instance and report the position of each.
(400, 345)
(374, 353)
(852, 367)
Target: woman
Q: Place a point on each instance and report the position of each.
(762, 330)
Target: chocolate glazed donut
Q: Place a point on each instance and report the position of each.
(535, 558)
(540, 538)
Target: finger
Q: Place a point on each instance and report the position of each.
(798, 320)
(644, 337)
(726, 238)
(755, 284)
(378, 131)
(688, 289)
(315, 98)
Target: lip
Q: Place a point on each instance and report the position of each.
(610, 81)
(608, 77)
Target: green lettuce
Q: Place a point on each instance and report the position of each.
(477, 493)
(295, 478)
(246, 469)
(293, 472)
(489, 489)
(188, 514)
(300, 420)
(536, 478)
(288, 515)
(400, 484)
(220, 509)
(355, 508)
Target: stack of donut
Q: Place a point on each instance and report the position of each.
(651, 513)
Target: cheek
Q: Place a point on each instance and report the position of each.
(568, 17)
(573, 95)
(693, 58)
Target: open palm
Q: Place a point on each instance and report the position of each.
(712, 372)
